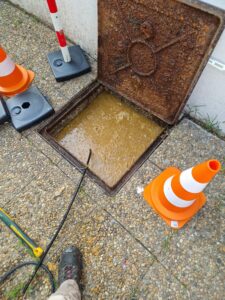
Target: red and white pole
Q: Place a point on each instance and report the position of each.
(59, 30)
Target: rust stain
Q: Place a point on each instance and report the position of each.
(151, 51)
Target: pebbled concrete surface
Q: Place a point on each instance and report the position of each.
(129, 252)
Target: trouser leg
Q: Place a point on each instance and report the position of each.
(68, 290)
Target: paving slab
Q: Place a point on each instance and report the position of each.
(113, 262)
(129, 208)
(38, 142)
(133, 212)
(159, 283)
(69, 170)
(13, 252)
(96, 193)
(20, 163)
(187, 145)
(195, 254)
(42, 204)
(213, 289)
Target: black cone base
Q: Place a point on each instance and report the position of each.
(65, 71)
(28, 108)
(4, 115)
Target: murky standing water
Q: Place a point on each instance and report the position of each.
(116, 134)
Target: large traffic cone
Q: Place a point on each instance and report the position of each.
(177, 196)
(14, 79)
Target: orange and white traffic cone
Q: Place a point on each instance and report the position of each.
(177, 196)
(14, 79)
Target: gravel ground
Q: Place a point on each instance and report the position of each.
(129, 252)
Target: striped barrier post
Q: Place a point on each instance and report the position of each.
(68, 62)
(177, 196)
(59, 30)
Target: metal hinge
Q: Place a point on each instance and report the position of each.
(217, 64)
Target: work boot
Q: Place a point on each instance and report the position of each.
(70, 265)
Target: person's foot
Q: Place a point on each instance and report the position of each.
(70, 265)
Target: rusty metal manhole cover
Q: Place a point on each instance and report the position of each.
(152, 51)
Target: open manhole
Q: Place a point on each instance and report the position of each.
(119, 135)
(151, 53)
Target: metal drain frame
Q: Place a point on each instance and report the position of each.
(77, 104)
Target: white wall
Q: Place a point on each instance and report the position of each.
(207, 101)
(79, 18)
(218, 3)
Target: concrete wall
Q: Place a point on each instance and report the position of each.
(79, 18)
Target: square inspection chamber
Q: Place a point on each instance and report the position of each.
(151, 54)
(120, 135)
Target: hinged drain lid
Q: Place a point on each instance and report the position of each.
(153, 51)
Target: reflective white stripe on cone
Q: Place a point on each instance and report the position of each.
(173, 198)
(7, 66)
(190, 184)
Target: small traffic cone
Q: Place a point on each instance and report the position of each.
(14, 79)
(177, 196)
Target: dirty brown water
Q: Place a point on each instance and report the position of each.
(116, 133)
